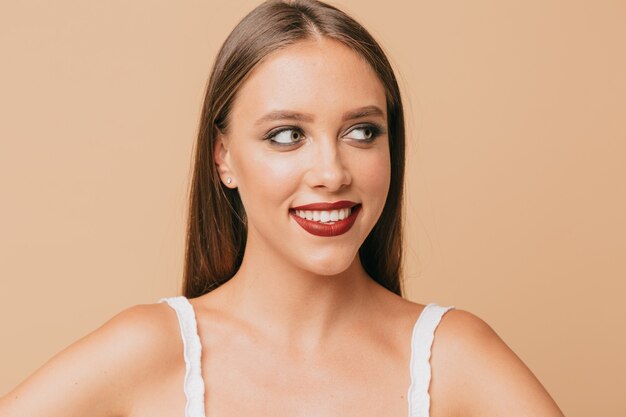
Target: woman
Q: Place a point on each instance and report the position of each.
(292, 294)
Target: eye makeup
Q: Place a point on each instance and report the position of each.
(278, 137)
(274, 135)
(375, 130)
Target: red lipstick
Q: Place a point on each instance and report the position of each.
(327, 206)
(327, 230)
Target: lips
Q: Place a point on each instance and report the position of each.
(327, 206)
(323, 229)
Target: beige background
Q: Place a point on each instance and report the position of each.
(517, 164)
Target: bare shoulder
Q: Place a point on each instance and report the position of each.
(473, 365)
(98, 374)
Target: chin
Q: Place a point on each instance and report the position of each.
(329, 266)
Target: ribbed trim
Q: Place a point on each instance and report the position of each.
(421, 343)
(192, 351)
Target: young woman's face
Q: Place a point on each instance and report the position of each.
(309, 126)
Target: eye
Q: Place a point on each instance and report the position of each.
(365, 133)
(285, 136)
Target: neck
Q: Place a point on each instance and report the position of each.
(293, 305)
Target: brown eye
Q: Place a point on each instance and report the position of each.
(285, 136)
(365, 133)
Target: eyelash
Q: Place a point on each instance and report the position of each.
(376, 130)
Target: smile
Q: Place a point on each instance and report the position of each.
(324, 216)
(326, 222)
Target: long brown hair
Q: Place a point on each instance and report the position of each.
(217, 231)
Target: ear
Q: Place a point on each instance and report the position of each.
(221, 156)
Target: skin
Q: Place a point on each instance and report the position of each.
(300, 329)
(300, 284)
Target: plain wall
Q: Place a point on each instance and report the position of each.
(516, 169)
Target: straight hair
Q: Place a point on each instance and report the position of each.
(217, 223)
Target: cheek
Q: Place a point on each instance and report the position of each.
(266, 180)
(372, 173)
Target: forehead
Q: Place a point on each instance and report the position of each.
(322, 76)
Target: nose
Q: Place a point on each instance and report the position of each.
(327, 168)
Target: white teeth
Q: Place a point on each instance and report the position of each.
(324, 216)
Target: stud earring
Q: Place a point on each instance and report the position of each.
(229, 180)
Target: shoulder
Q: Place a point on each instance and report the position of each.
(140, 336)
(153, 320)
(140, 341)
(146, 334)
(104, 367)
(482, 373)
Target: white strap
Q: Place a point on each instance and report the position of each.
(421, 343)
(192, 350)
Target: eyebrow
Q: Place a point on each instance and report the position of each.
(305, 117)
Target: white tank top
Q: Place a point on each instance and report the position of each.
(421, 342)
